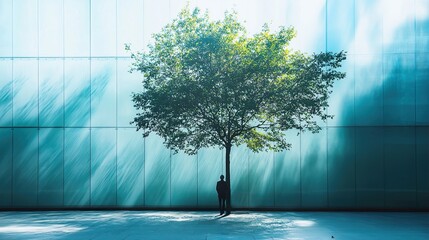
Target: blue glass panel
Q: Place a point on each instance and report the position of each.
(157, 172)
(368, 90)
(399, 89)
(130, 25)
(6, 94)
(341, 168)
(25, 167)
(314, 170)
(422, 86)
(287, 173)
(368, 27)
(210, 166)
(25, 28)
(340, 25)
(422, 160)
(77, 28)
(422, 26)
(51, 163)
(103, 29)
(25, 96)
(158, 10)
(77, 167)
(51, 90)
(51, 28)
(400, 167)
(6, 28)
(369, 168)
(398, 26)
(5, 167)
(103, 93)
(127, 84)
(239, 164)
(261, 181)
(341, 101)
(184, 180)
(130, 167)
(77, 92)
(311, 25)
(103, 167)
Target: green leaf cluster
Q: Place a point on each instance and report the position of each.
(208, 83)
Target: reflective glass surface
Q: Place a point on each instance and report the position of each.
(6, 165)
(66, 137)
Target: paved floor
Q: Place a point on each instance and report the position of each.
(206, 225)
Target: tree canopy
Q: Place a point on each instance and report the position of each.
(208, 83)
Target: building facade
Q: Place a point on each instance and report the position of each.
(65, 110)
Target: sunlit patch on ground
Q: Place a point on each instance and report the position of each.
(209, 225)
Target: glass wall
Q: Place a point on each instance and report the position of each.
(65, 102)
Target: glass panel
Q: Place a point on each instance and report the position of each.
(422, 155)
(25, 28)
(6, 93)
(25, 167)
(103, 29)
(239, 164)
(422, 86)
(51, 28)
(51, 87)
(400, 167)
(369, 168)
(261, 180)
(311, 26)
(6, 167)
(127, 84)
(25, 96)
(130, 168)
(130, 25)
(422, 26)
(77, 167)
(103, 93)
(77, 28)
(6, 28)
(155, 16)
(342, 99)
(210, 167)
(287, 173)
(77, 92)
(157, 172)
(368, 27)
(341, 168)
(368, 90)
(313, 170)
(399, 89)
(398, 26)
(103, 167)
(51, 160)
(340, 25)
(184, 180)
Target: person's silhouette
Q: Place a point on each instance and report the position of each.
(222, 190)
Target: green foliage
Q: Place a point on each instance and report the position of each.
(207, 83)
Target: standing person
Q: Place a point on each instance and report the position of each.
(222, 190)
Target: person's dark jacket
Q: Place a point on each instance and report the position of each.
(221, 189)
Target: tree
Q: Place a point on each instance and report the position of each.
(207, 83)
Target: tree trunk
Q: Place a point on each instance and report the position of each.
(228, 179)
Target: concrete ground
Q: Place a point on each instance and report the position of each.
(207, 225)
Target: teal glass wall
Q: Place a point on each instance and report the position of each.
(65, 109)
